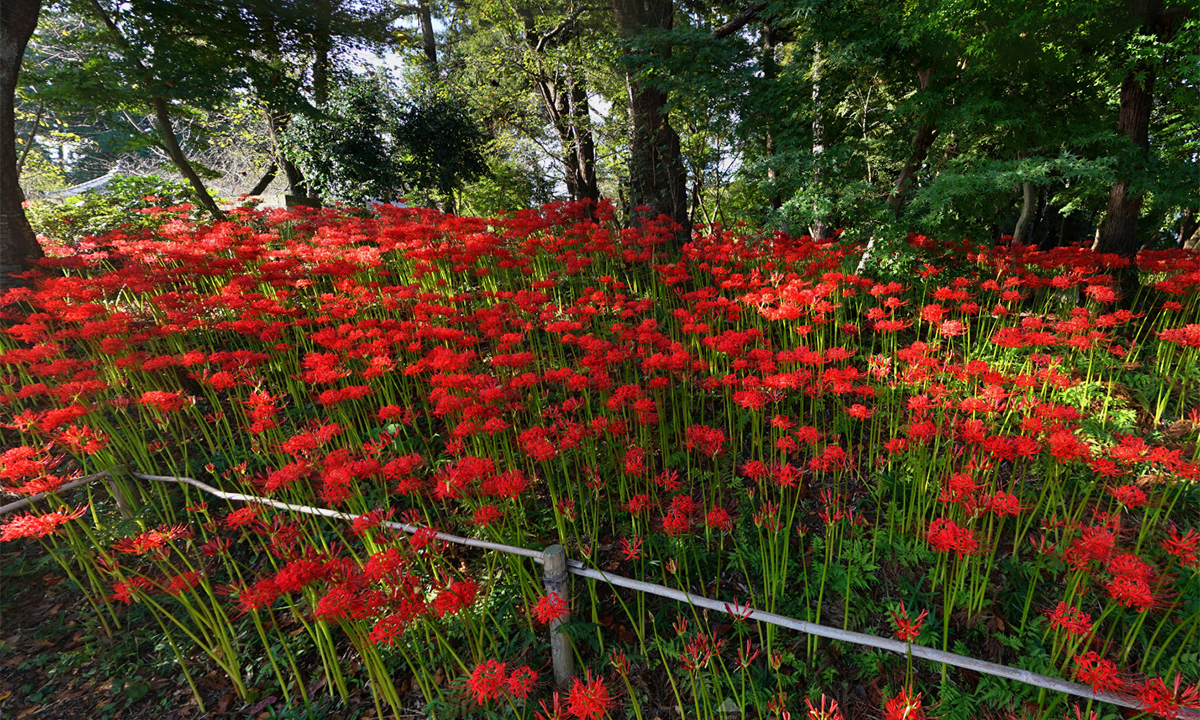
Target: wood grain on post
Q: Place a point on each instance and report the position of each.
(555, 578)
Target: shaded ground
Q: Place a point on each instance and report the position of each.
(56, 662)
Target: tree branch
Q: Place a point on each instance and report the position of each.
(738, 22)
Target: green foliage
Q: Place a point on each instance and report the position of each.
(368, 143)
(120, 203)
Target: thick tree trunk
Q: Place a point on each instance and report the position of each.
(923, 140)
(1029, 202)
(276, 123)
(657, 178)
(1118, 232)
(818, 230)
(171, 143)
(18, 244)
(428, 39)
(584, 146)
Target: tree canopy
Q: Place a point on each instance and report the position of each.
(1054, 123)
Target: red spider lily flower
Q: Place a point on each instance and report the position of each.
(707, 440)
(1183, 547)
(905, 706)
(124, 590)
(1096, 543)
(822, 712)
(945, 536)
(180, 584)
(151, 540)
(165, 402)
(1163, 701)
(521, 681)
(668, 480)
(1079, 714)
(1131, 591)
(859, 412)
(486, 515)
(719, 519)
(588, 700)
(458, 596)
(778, 705)
(1130, 496)
(550, 608)
(566, 508)
(36, 526)
(619, 662)
(488, 680)
(371, 520)
(908, 629)
(745, 657)
(555, 712)
(242, 517)
(1071, 619)
(1101, 674)
(631, 547)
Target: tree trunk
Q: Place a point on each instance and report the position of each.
(265, 180)
(37, 122)
(769, 74)
(322, 46)
(1029, 202)
(18, 244)
(657, 178)
(923, 140)
(818, 230)
(585, 146)
(171, 143)
(276, 123)
(1189, 230)
(428, 39)
(1118, 232)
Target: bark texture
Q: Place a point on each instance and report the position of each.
(657, 177)
(1118, 232)
(18, 244)
(1029, 202)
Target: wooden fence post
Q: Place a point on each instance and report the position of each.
(556, 580)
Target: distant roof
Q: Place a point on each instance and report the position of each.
(81, 188)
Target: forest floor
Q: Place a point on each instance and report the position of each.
(56, 662)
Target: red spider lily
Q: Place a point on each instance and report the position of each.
(458, 596)
(555, 712)
(549, 608)
(904, 706)
(908, 629)
(588, 699)
(619, 662)
(521, 681)
(1183, 547)
(1159, 699)
(945, 536)
(36, 526)
(1101, 674)
(1131, 496)
(488, 681)
(719, 519)
(486, 515)
(631, 547)
(1071, 619)
(822, 712)
(151, 540)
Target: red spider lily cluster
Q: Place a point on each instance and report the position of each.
(749, 416)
